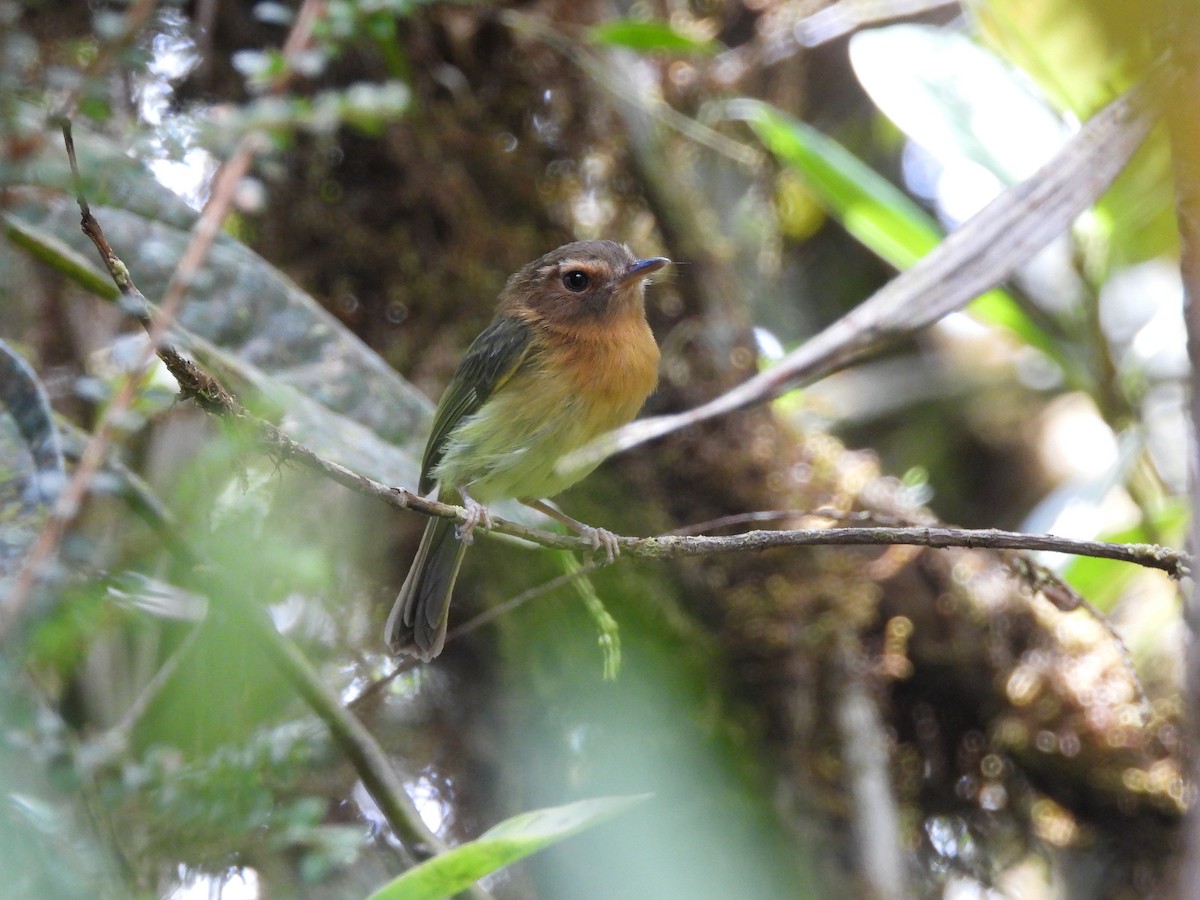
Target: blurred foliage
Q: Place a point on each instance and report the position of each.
(411, 157)
(500, 846)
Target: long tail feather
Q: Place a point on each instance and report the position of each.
(417, 623)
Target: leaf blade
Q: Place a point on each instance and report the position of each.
(502, 845)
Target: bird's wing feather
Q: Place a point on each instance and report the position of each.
(490, 361)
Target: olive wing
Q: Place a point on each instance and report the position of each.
(490, 361)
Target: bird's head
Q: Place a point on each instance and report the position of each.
(584, 281)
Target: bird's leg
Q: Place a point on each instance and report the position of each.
(600, 537)
(477, 514)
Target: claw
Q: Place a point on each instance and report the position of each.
(602, 538)
(609, 540)
(477, 515)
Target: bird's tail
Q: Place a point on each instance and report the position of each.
(417, 623)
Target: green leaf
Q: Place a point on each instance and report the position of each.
(50, 250)
(501, 845)
(649, 36)
(876, 212)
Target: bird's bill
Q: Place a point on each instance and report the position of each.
(641, 268)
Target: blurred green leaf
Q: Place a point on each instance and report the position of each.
(66, 260)
(649, 36)
(957, 99)
(881, 216)
(877, 213)
(502, 845)
(1083, 54)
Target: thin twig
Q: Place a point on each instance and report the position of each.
(670, 546)
(766, 515)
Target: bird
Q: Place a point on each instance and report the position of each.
(568, 356)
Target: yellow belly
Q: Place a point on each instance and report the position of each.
(551, 407)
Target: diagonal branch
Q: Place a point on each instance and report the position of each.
(978, 256)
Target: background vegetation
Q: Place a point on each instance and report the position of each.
(195, 693)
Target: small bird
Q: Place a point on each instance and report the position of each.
(568, 357)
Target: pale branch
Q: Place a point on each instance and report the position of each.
(980, 254)
(670, 546)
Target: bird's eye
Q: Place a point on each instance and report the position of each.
(575, 280)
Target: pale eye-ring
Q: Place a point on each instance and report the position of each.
(576, 280)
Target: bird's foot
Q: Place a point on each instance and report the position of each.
(477, 515)
(602, 538)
